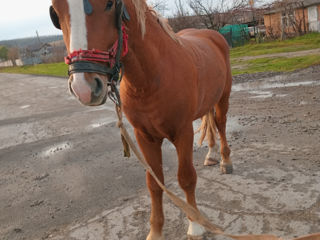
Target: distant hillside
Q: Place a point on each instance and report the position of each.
(24, 42)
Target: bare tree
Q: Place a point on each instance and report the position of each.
(13, 55)
(215, 14)
(159, 5)
(181, 18)
(293, 19)
(205, 11)
(181, 10)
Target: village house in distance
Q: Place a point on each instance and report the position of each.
(292, 17)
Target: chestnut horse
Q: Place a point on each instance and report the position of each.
(169, 81)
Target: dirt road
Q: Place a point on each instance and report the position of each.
(284, 54)
(62, 174)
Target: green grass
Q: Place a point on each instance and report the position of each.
(51, 69)
(276, 64)
(280, 64)
(306, 42)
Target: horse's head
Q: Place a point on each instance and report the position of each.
(95, 41)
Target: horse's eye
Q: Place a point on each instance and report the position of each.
(109, 5)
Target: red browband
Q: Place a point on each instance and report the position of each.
(97, 55)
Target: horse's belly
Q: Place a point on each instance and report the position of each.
(210, 89)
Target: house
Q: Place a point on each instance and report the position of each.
(58, 52)
(215, 20)
(292, 17)
(34, 54)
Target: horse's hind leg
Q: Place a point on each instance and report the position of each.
(221, 120)
(212, 156)
(151, 149)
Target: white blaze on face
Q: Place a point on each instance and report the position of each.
(78, 40)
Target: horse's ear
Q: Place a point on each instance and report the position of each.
(125, 14)
(54, 17)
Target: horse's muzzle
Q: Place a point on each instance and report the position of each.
(90, 89)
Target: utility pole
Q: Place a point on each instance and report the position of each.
(38, 37)
(251, 2)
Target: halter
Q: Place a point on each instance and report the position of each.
(95, 61)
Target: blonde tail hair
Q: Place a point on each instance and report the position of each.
(208, 128)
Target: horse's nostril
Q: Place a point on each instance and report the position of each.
(97, 87)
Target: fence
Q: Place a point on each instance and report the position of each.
(6, 64)
(236, 35)
(9, 63)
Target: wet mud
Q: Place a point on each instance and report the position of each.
(63, 176)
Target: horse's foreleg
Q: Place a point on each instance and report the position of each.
(187, 176)
(221, 120)
(151, 149)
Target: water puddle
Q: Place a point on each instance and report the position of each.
(265, 94)
(101, 122)
(281, 95)
(261, 94)
(57, 148)
(269, 85)
(25, 106)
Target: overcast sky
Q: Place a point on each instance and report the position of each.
(22, 18)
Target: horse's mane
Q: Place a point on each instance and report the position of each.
(141, 8)
(164, 24)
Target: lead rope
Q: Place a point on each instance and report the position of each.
(127, 142)
(189, 210)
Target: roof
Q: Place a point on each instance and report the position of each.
(37, 46)
(295, 4)
(59, 43)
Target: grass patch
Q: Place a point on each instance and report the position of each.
(51, 69)
(305, 42)
(280, 64)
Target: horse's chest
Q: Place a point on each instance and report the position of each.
(152, 119)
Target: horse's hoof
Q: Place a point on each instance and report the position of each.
(226, 168)
(195, 231)
(210, 162)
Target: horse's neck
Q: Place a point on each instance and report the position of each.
(141, 65)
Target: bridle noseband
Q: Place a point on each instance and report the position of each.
(94, 61)
(97, 61)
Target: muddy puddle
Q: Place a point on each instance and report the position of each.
(262, 88)
(258, 85)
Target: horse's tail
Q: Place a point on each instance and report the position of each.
(208, 128)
